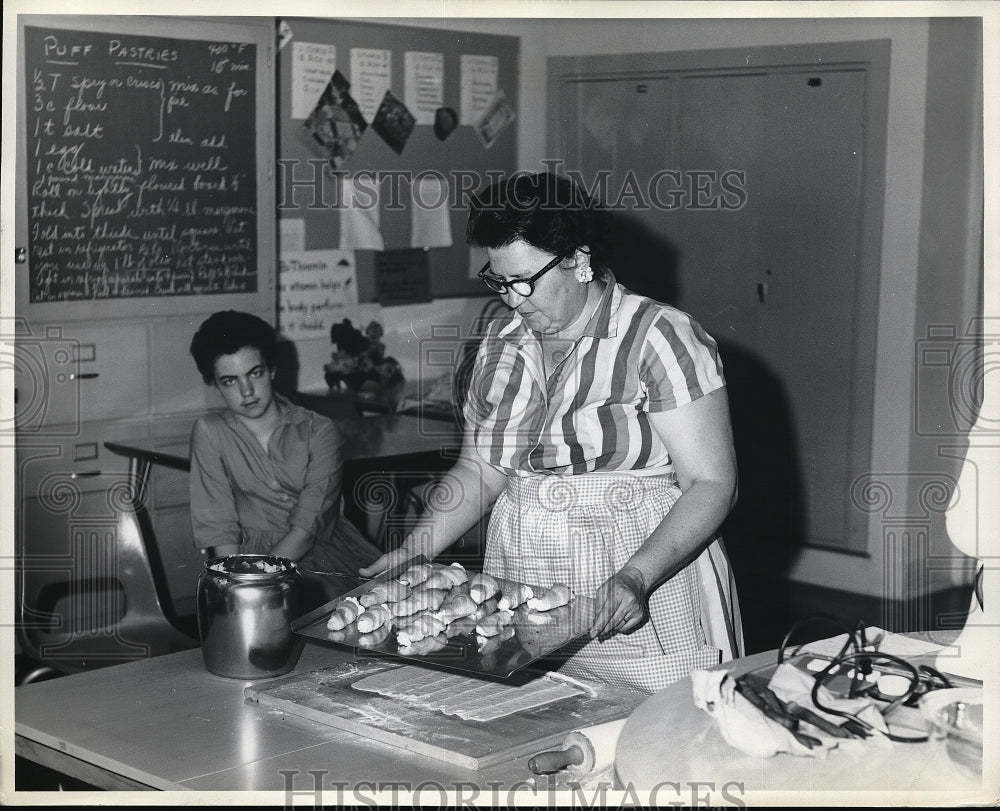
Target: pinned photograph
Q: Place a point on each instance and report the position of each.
(497, 116)
(336, 124)
(394, 122)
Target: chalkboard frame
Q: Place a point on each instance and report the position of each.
(264, 298)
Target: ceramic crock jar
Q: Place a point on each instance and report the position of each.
(245, 606)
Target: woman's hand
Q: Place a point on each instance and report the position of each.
(388, 561)
(620, 604)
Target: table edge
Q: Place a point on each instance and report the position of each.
(86, 765)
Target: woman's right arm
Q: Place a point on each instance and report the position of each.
(460, 499)
(214, 520)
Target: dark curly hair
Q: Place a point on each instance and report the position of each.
(227, 332)
(551, 212)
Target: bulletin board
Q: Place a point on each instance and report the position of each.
(392, 151)
(144, 157)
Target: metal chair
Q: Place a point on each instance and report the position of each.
(93, 598)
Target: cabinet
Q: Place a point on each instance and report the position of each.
(750, 197)
(80, 462)
(67, 375)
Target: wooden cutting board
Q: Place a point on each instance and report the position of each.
(327, 696)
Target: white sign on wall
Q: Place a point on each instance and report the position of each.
(318, 289)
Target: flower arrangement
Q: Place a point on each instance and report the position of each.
(359, 360)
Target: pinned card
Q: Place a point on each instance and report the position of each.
(424, 84)
(402, 276)
(430, 216)
(360, 217)
(371, 75)
(479, 80)
(312, 65)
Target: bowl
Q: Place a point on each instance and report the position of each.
(954, 719)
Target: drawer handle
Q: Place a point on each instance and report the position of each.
(84, 376)
(85, 474)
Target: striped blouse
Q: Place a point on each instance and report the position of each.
(636, 356)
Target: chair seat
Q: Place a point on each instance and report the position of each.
(100, 606)
(92, 650)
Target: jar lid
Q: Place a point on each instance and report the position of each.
(251, 565)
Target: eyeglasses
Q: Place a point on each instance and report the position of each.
(523, 287)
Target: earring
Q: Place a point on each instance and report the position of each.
(584, 274)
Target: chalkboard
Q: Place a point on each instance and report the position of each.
(141, 165)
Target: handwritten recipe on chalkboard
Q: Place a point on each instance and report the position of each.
(141, 166)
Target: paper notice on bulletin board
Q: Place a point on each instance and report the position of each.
(430, 217)
(317, 289)
(479, 81)
(402, 276)
(371, 76)
(312, 66)
(291, 234)
(360, 217)
(423, 92)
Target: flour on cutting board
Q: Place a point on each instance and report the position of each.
(465, 698)
(413, 723)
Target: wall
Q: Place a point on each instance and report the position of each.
(912, 286)
(949, 288)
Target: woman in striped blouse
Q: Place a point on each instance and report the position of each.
(597, 429)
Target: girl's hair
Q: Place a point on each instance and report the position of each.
(551, 212)
(226, 333)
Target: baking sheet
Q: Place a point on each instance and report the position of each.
(541, 637)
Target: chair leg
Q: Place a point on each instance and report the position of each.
(30, 671)
(142, 592)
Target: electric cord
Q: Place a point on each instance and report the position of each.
(811, 619)
(914, 685)
(934, 673)
(864, 655)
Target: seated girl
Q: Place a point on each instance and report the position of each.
(265, 473)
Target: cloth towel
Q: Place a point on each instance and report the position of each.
(745, 727)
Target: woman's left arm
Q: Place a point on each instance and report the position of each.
(318, 504)
(699, 439)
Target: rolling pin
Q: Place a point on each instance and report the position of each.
(583, 751)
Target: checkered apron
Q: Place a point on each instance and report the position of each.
(579, 530)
